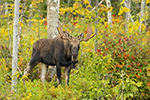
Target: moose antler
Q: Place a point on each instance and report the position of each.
(89, 33)
(60, 31)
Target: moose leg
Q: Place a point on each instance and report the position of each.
(33, 62)
(67, 72)
(43, 73)
(51, 71)
(27, 70)
(58, 71)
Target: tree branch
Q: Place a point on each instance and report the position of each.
(98, 4)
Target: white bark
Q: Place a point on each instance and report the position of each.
(96, 22)
(15, 44)
(142, 13)
(52, 20)
(128, 2)
(129, 14)
(109, 13)
(30, 15)
(6, 9)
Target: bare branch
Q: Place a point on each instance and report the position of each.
(98, 4)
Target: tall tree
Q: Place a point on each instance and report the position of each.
(127, 3)
(142, 13)
(52, 20)
(109, 13)
(15, 43)
(96, 22)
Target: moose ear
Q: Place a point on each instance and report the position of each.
(81, 36)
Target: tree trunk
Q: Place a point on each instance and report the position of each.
(128, 3)
(142, 13)
(109, 13)
(52, 20)
(6, 9)
(30, 15)
(15, 44)
(96, 22)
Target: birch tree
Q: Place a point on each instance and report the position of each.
(109, 13)
(127, 3)
(128, 6)
(52, 20)
(142, 13)
(15, 44)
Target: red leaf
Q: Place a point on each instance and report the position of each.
(119, 41)
(74, 23)
(45, 23)
(98, 50)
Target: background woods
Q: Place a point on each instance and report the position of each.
(115, 64)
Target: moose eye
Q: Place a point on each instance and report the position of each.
(78, 47)
(70, 45)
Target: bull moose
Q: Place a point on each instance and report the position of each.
(60, 51)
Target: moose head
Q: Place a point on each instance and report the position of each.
(74, 42)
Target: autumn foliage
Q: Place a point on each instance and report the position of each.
(115, 64)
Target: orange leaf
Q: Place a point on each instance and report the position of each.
(129, 66)
(107, 49)
(140, 70)
(145, 63)
(119, 55)
(133, 57)
(137, 76)
(148, 84)
(138, 64)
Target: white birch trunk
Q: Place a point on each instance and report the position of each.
(129, 14)
(128, 2)
(96, 22)
(109, 13)
(142, 13)
(6, 9)
(15, 44)
(52, 20)
(30, 15)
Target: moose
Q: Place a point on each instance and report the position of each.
(60, 51)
